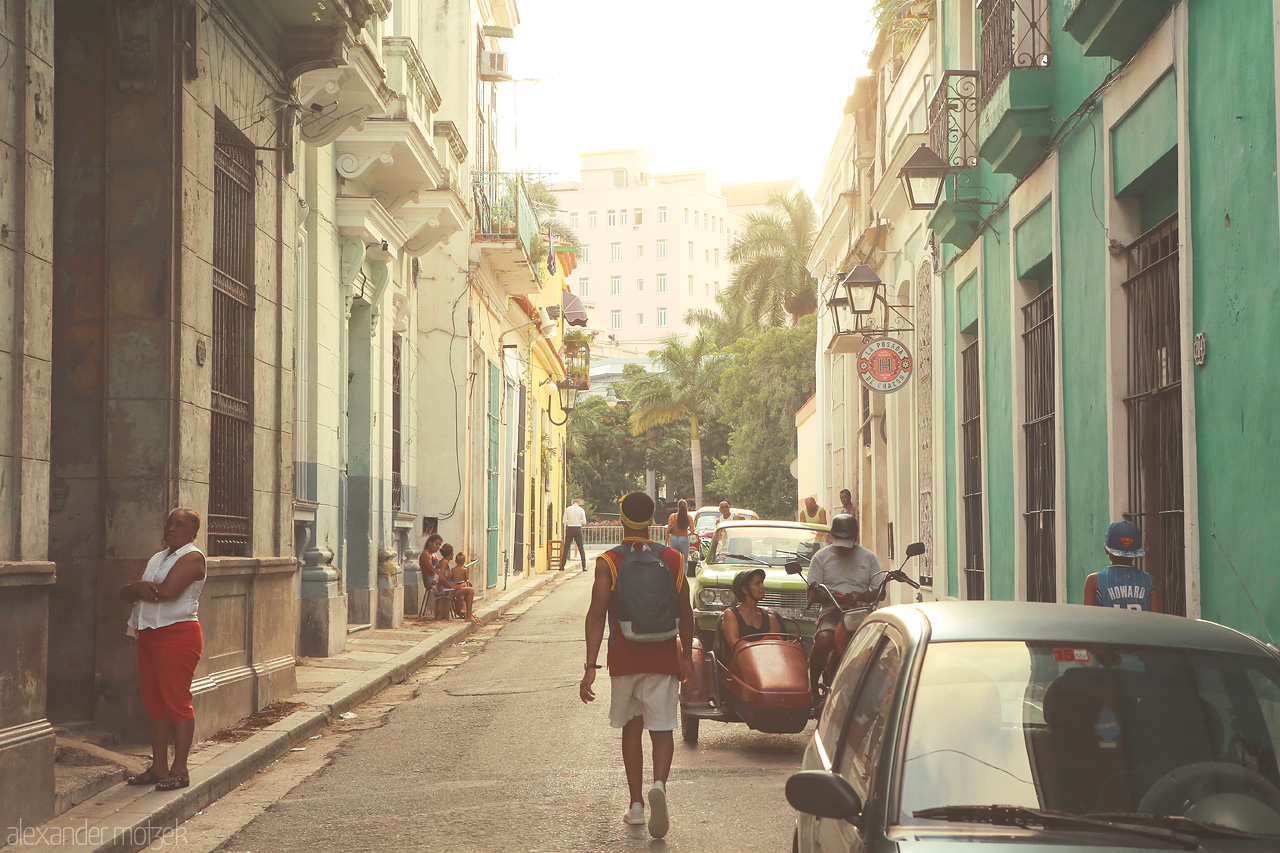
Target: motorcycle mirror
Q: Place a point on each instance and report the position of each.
(793, 567)
(691, 565)
(915, 549)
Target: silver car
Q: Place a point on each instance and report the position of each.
(1046, 727)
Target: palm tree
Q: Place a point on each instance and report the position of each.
(686, 383)
(726, 323)
(771, 278)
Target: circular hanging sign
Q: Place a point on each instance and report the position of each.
(884, 365)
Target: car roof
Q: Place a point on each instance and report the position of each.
(770, 522)
(959, 621)
(708, 509)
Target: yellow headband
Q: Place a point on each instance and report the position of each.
(632, 522)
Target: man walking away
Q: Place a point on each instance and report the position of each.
(1121, 584)
(575, 518)
(639, 591)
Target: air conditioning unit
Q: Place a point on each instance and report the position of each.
(494, 66)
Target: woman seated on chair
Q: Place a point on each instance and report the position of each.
(747, 618)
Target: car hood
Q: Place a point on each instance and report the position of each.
(722, 574)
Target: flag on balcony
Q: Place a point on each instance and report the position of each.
(551, 252)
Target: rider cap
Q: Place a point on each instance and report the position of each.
(844, 530)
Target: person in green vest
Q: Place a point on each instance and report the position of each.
(812, 513)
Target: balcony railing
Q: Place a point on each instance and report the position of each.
(953, 119)
(503, 211)
(1015, 34)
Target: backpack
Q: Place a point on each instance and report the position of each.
(645, 594)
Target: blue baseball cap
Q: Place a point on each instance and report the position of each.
(1124, 539)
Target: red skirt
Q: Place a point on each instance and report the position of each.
(167, 659)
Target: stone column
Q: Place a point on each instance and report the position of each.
(322, 617)
(390, 590)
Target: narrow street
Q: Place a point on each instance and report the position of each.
(490, 749)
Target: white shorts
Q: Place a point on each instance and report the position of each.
(650, 695)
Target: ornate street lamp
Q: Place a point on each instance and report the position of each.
(862, 287)
(922, 176)
(612, 400)
(838, 305)
(568, 389)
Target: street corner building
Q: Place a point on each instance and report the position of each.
(261, 260)
(1068, 211)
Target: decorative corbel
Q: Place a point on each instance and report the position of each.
(393, 203)
(399, 313)
(381, 277)
(352, 166)
(351, 259)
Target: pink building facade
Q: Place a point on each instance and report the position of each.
(654, 245)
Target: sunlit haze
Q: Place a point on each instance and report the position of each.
(753, 90)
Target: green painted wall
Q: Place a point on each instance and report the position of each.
(1082, 323)
(950, 20)
(1146, 134)
(1033, 243)
(1075, 75)
(998, 416)
(952, 424)
(1236, 303)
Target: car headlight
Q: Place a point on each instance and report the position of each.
(727, 598)
(706, 596)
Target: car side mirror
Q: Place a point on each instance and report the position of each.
(824, 794)
(915, 549)
(793, 567)
(691, 564)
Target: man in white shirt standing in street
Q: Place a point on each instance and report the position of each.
(575, 518)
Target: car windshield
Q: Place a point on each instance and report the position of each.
(765, 545)
(1095, 728)
(707, 520)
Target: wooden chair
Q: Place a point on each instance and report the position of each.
(554, 547)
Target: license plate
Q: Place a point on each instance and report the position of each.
(795, 613)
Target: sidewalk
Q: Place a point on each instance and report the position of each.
(124, 819)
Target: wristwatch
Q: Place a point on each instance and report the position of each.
(587, 666)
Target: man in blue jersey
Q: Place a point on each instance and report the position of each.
(1121, 584)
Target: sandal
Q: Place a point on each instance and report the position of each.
(173, 783)
(147, 777)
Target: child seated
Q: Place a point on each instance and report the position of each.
(464, 593)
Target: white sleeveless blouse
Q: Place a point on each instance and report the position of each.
(184, 608)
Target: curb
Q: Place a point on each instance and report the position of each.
(134, 826)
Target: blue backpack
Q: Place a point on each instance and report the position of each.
(646, 600)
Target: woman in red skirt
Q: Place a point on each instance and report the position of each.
(165, 602)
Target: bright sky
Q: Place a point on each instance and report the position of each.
(751, 89)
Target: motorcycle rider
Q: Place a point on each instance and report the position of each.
(847, 569)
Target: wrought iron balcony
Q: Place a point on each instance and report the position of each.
(503, 211)
(953, 119)
(1015, 34)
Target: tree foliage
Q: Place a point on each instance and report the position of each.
(684, 385)
(771, 277)
(605, 460)
(769, 378)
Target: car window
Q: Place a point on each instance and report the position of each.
(845, 685)
(764, 545)
(868, 718)
(1092, 727)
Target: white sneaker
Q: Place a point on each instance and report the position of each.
(634, 815)
(657, 811)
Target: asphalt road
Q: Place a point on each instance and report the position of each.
(491, 749)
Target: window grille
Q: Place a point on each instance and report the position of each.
(1041, 460)
(971, 437)
(1154, 407)
(231, 427)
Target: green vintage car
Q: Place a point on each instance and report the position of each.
(739, 545)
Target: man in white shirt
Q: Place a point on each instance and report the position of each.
(575, 518)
